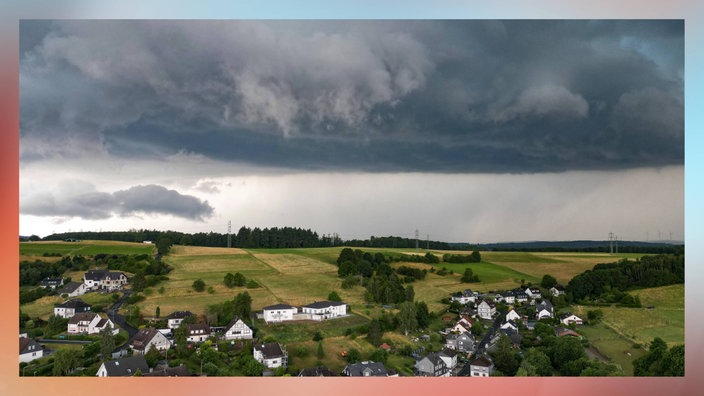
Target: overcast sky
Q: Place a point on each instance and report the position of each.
(469, 131)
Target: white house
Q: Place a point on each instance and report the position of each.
(321, 310)
(509, 297)
(512, 315)
(145, 338)
(198, 332)
(271, 355)
(544, 310)
(126, 367)
(510, 324)
(570, 318)
(486, 309)
(104, 279)
(89, 323)
(52, 283)
(464, 297)
(73, 289)
(462, 325)
(71, 307)
(279, 312)
(30, 350)
(533, 292)
(449, 357)
(174, 319)
(481, 367)
(237, 330)
(557, 290)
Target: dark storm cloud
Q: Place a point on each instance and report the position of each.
(441, 96)
(77, 199)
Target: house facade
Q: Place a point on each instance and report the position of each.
(145, 338)
(237, 330)
(30, 350)
(481, 367)
(431, 365)
(569, 318)
(533, 292)
(544, 310)
(71, 307)
(73, 289)
(464, 297)
(279, 313)
(486, 309)
(322, 310)
(102, 279)
(52, 283)
(271, 355)
(198, 332)
(89, 323)
(173, 321)
(463, 342)
(557, 290)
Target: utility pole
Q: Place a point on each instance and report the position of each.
(229, 233)
(416, 240)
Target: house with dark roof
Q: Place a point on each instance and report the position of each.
(52, 283)
(71, 307)
(174, 319)
(463, 342)
(73, 289)
(271, 355)
(481, 367)
(464, 297)
(431, 365)
(125, 367)
(146, 338)
(279, 313)
(365, 369)
(89, 323)
(321, 310)
(557, 290)
(103, 279)
(533, 292)
(30, 350)
(320, 371)
(237, 330)
(570, 318)
(544, 310)
(486, 309)
(198, 332)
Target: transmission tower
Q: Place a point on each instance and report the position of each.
(229, 231)
(416, 240)
(427, 242)
(611, 243)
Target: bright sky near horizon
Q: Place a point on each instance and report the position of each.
(469, 131)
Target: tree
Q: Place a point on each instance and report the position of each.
(181, 338)
(505, 358)
(469, 276)
(652, 363)
(409, 293)
(333, 296)
(535, 364)
(158, 312)
(320, 352)
(548, 281)
(139, 282)
(565, 350)
(229, 280)
(476, 256)
(353, 356)
(407, 317)
(242, 306)
(199, 285)
(107, 342)
(65, 361)
(163, 245)
(375, 332)
(674, 361)
(422, 314)
(152, 356)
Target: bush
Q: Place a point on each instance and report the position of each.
(199, 285)
(252, 284)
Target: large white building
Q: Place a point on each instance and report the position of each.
(321, 310)
(279, 313)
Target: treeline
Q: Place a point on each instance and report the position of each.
(584, 247)
(284, 237)
(33, 272)
(475, 257)
(649, 271)
(397, 242)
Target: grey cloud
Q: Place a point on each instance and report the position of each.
(441, 96)
(81, 200)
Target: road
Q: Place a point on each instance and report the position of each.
(120, 319)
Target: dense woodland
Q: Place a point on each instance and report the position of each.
(648, 271)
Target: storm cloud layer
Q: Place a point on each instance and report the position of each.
(381, 96)
(81, 200)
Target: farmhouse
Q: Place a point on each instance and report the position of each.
(89, 323)
(71, 307)
(237, 330)
(30, 350)
(103, 279)
(322, 310)
(126, 367)
(271, 355)
(279, 313)
(146, 338)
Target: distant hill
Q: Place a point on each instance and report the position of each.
(586, 246)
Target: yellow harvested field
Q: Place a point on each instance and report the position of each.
(199, 250)
(295, 264)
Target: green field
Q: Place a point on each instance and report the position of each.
(85, 248)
